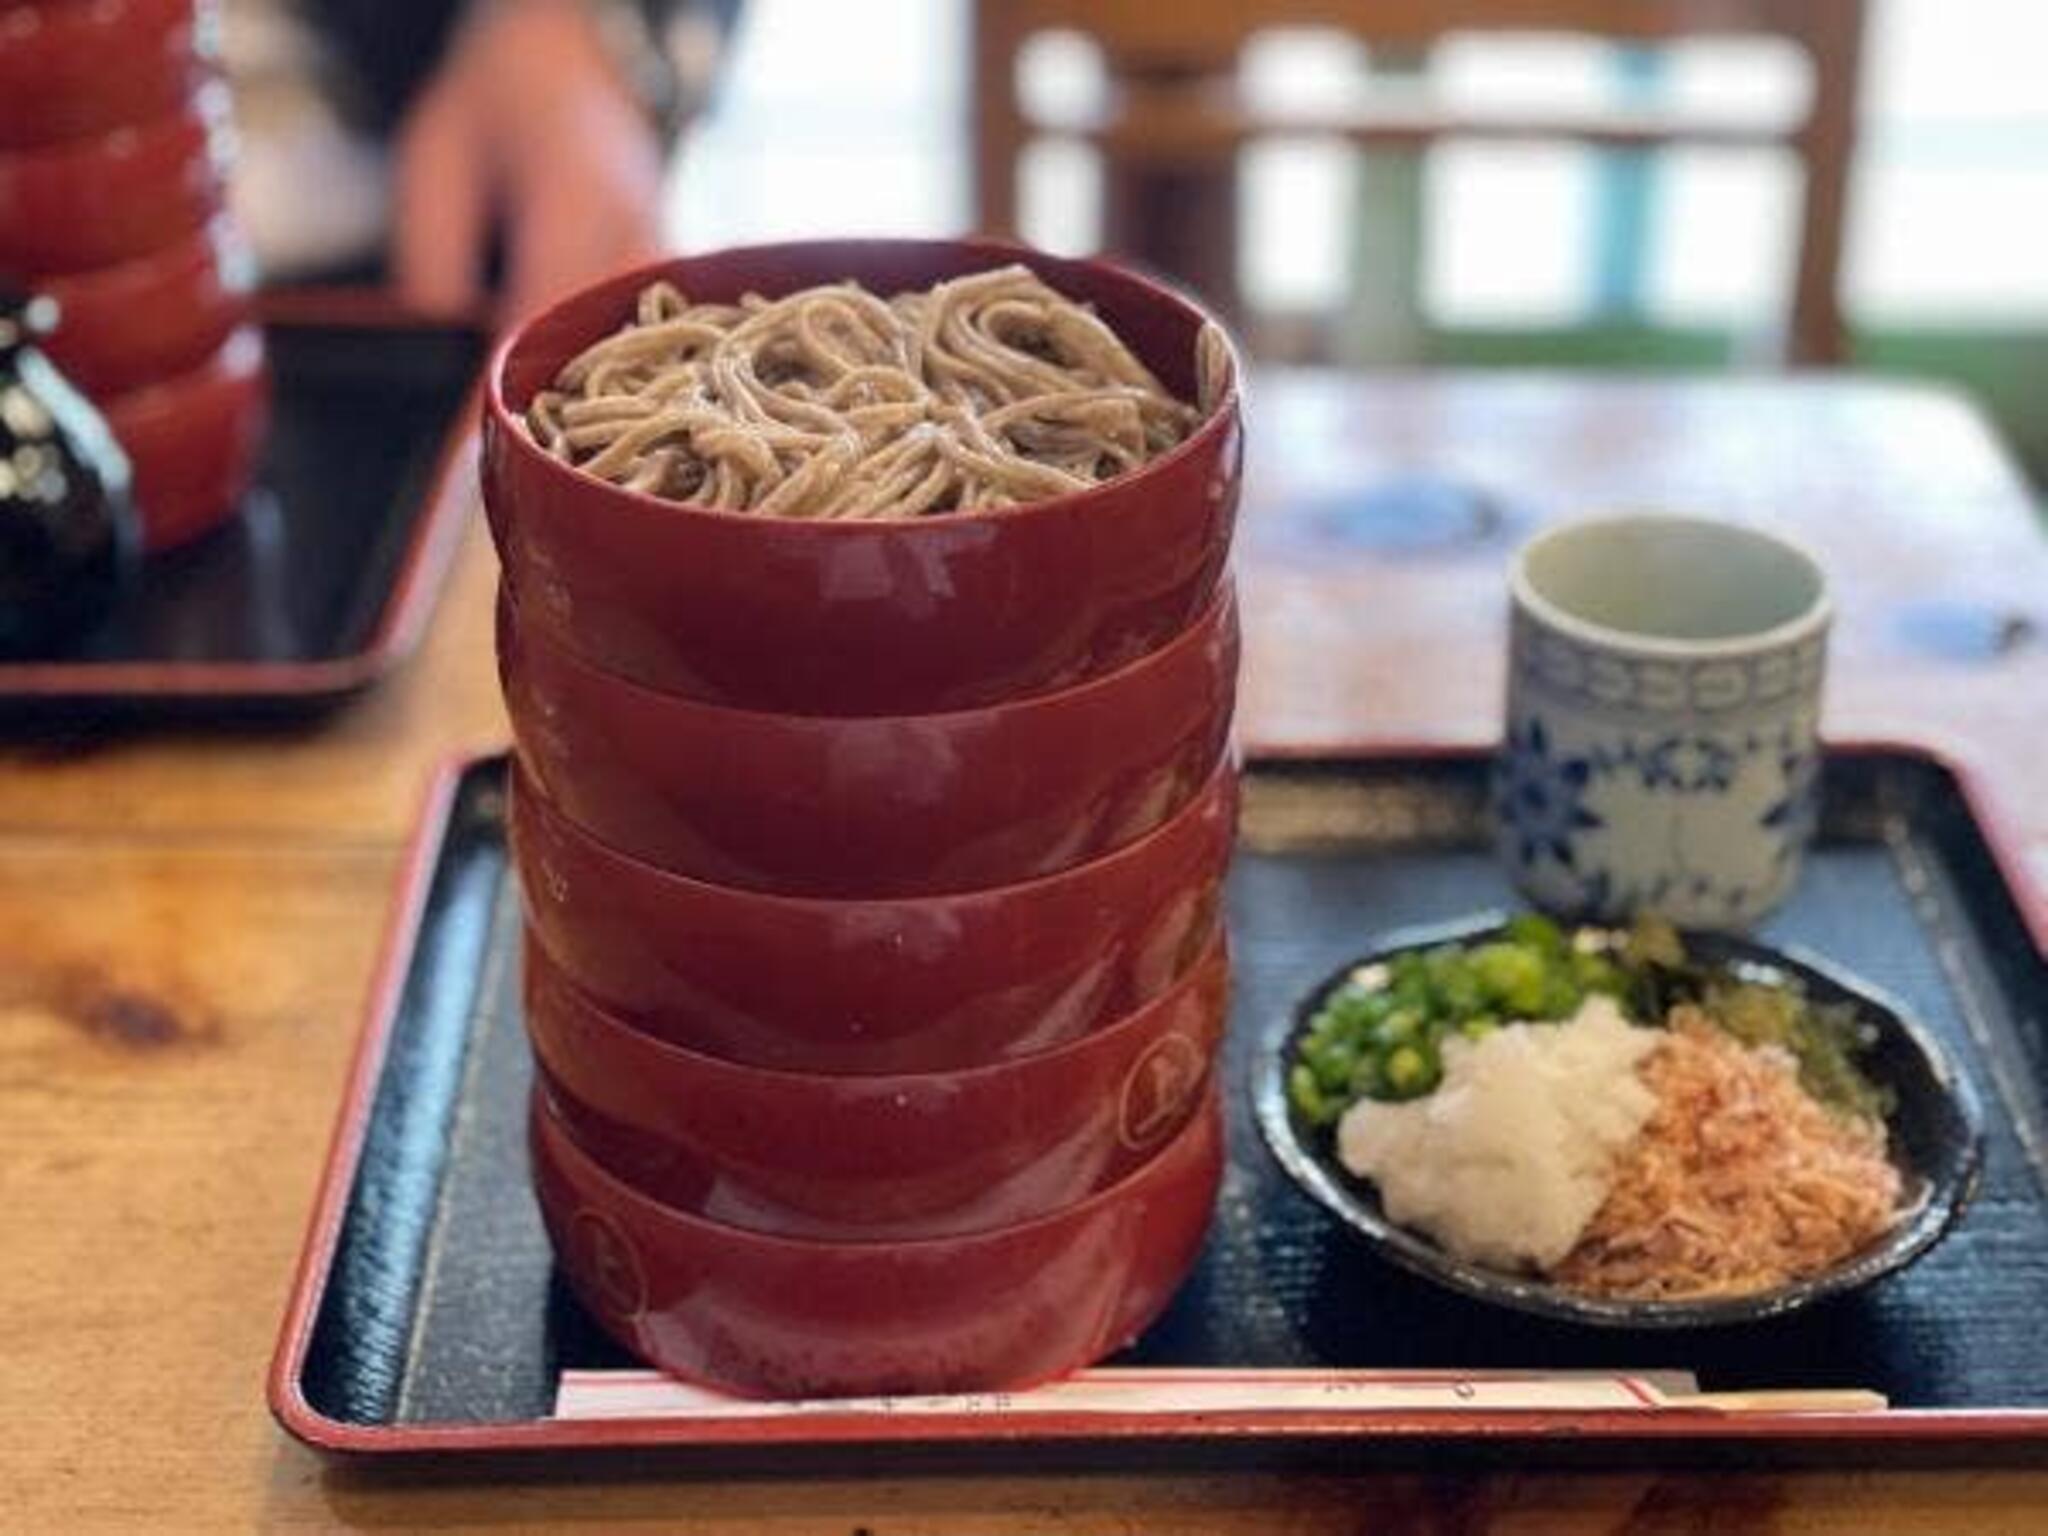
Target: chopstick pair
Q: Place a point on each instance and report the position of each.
(1113, 1390)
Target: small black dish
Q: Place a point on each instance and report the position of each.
(1936, 1132)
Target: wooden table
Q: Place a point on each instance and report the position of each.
(187, 922)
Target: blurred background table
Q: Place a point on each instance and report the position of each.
(188, 920)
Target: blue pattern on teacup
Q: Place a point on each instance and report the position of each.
(1540, 798)
(1583, 674)
(1795, 811)
(1737, 809)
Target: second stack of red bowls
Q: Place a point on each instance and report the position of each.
(872, 874)
(114, 153)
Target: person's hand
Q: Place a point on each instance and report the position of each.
(528, 126)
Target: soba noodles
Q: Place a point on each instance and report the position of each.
(984, 391)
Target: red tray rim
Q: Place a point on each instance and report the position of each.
(402, 621)
(297, 1415)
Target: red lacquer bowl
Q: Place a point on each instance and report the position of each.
(878, 805)
(788, 1317)
(894, 1156)
(68, 71)
(94, 202)
(875, 986)
(862, 618)
(140, 321)
(193, 440)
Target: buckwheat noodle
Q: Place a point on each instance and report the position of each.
(984, 391)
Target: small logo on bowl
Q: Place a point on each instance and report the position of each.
(605, 1257)
(1157, 1089)
(554, 880)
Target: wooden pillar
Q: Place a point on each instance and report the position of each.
(1173, 211)
(1835, 39)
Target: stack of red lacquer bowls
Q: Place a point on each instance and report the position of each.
(872, 875)
(113, 152)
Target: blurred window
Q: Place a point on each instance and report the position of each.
(852, 119)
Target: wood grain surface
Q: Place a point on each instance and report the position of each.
(188, 920)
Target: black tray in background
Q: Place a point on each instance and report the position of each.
(289, 603)
(440, 1308)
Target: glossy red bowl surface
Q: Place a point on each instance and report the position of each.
(71, 70)
(875, 986)
(193, 440)
(862, 618)
(98, 201)
(788, 1317)
(877, 805)
(863, 1156)
(138, 322)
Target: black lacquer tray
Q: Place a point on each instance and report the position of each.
(426, 1316)
(325, 578)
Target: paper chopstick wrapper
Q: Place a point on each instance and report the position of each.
(1112, 1390)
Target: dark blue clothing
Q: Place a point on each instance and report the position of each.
(390, 47)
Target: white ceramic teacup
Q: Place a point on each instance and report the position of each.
(1664, 681)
